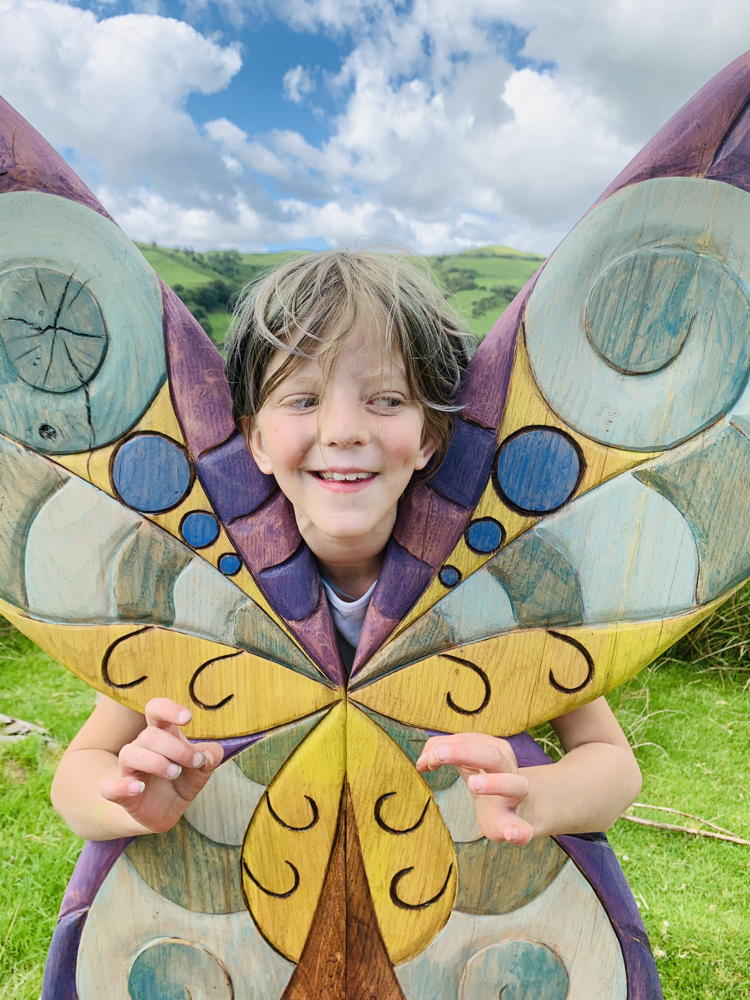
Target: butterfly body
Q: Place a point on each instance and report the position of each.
(589, 507)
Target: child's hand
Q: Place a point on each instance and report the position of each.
(489, 767)
(160, 772)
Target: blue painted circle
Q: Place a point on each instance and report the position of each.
(677, 289)
(229, 564)
(515, 970)
(484, 535)
(199, 529)
(449, 576)
(151, 473)
(538, 470)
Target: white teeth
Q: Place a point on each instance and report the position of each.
(344, 477)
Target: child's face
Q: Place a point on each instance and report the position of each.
(343, 449)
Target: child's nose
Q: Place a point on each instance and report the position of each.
(343, 423)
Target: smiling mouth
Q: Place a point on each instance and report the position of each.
(344, 477)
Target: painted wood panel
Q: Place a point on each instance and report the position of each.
(569, 548)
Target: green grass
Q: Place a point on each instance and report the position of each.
(175, 268)
(688, 718)
(37, 851)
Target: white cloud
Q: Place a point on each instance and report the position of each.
(114, 90)
(440, 141)
(297, 83)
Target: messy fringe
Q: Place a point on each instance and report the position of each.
(307, 307)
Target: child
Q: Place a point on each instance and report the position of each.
(344, 368)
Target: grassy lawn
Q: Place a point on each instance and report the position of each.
(688, 716)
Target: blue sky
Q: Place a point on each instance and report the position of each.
(428, 124)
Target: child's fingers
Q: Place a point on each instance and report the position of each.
(170, 745)
(499, 819)
(471, 750)
(192, 779)
(135, 758)
(121, 790)
(512, 787)
(212, 755)
(163, 712)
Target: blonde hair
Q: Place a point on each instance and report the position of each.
(309, 304)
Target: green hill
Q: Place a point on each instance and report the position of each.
(482, 282)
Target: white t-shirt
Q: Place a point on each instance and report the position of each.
(348, 616)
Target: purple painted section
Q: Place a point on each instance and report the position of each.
(200, 393)
(232, 480)
(485, 384)
(269, 536)
(421, 512)
(401, 581)
(595, 858)
(687, 145)
(465, 470)
(732, 159)
(376, 628)
(29, 163)
(293, 586)
(60, 968)
(318, 637)
(93, 866)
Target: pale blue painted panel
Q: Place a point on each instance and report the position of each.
(456, 806)
(61, 239)
(708, 481)
(225, 805)
(26, 483)
(587, 945)
(477, 607)
(71, 554)
(634, 553)
(609, 272)
(126, 916)
(205, 602)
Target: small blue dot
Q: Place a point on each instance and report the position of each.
(151, 473)
(199, 529)
(449, 576)
(229, 564)
(485, 535)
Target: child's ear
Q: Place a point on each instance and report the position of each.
(426, 451)
(251, 433)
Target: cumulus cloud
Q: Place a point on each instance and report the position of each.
(297, 84)
(114, 89)
(489, 121)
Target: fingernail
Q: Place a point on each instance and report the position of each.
(512, 835)
(477, 783)
(199, 759)
(174, 771)
(184, 717)
(136, 787)
(443, 752)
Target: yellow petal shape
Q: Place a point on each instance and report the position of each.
(230, 692)
(505, 684)
(288, 844)
(407, 851)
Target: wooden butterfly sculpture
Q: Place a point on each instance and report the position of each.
(592, 508)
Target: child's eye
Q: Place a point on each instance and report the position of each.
(307, 402)
(387, 400)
